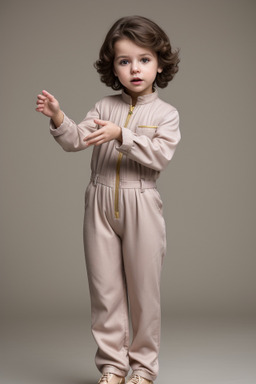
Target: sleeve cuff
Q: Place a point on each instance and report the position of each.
(61, 129)
(127, 141)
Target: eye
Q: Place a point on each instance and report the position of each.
(123, 62)
(145, 60)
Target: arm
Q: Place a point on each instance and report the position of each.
(153, 152)
(65, 131)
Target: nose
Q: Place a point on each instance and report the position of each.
(135, 67)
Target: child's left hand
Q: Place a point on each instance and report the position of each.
(108, 132)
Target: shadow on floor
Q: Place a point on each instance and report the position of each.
(78, 381)
(61, 379)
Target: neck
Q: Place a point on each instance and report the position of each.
(134, 96)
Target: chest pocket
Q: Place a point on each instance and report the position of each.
(147, 130)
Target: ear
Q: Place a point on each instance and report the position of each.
(160, 70)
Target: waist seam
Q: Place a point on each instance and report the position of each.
(140, 184)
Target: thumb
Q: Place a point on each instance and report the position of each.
(100, 122)
(49, 95)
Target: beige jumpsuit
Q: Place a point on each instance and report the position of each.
(124, 229)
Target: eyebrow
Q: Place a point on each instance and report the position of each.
(127, 56)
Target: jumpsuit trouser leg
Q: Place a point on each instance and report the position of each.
(125, 256)
(144, 247)
(107, 285)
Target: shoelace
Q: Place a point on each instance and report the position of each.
(104, 378)
(135, 379)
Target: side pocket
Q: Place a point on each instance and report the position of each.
(158, 200)
(86, 195)
(147, 130)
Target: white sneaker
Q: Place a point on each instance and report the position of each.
(110, 378)
(136, 379)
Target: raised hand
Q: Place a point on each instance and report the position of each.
(108, 132)
(49, 106)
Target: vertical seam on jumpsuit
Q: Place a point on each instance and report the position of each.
(126, 323)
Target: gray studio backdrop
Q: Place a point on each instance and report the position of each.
(208, 189)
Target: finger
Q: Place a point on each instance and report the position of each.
(49, 95)
(38, 109)
(100, 122)
(41, 106)
(96, 140)
(41, 97)
(93, 135)
(100, 142)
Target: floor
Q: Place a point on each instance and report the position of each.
(193, 351)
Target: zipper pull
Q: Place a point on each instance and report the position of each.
(131, 109)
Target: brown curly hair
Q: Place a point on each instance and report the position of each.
(145, 33)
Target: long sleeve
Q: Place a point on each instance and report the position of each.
(152, 147)
(70, 136)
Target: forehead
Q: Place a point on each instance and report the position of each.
(126, 47)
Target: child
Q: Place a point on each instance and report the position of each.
(134, 135)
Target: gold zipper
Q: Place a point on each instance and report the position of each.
(148, 126)
(118, 166)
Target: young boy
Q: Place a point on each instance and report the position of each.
(134, 135)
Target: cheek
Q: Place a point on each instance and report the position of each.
(120, 73)
(116, 71)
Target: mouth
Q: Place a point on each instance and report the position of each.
(136, 80)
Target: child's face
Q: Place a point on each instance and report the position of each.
(136, 67)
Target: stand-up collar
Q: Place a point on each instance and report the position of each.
(141, 99)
